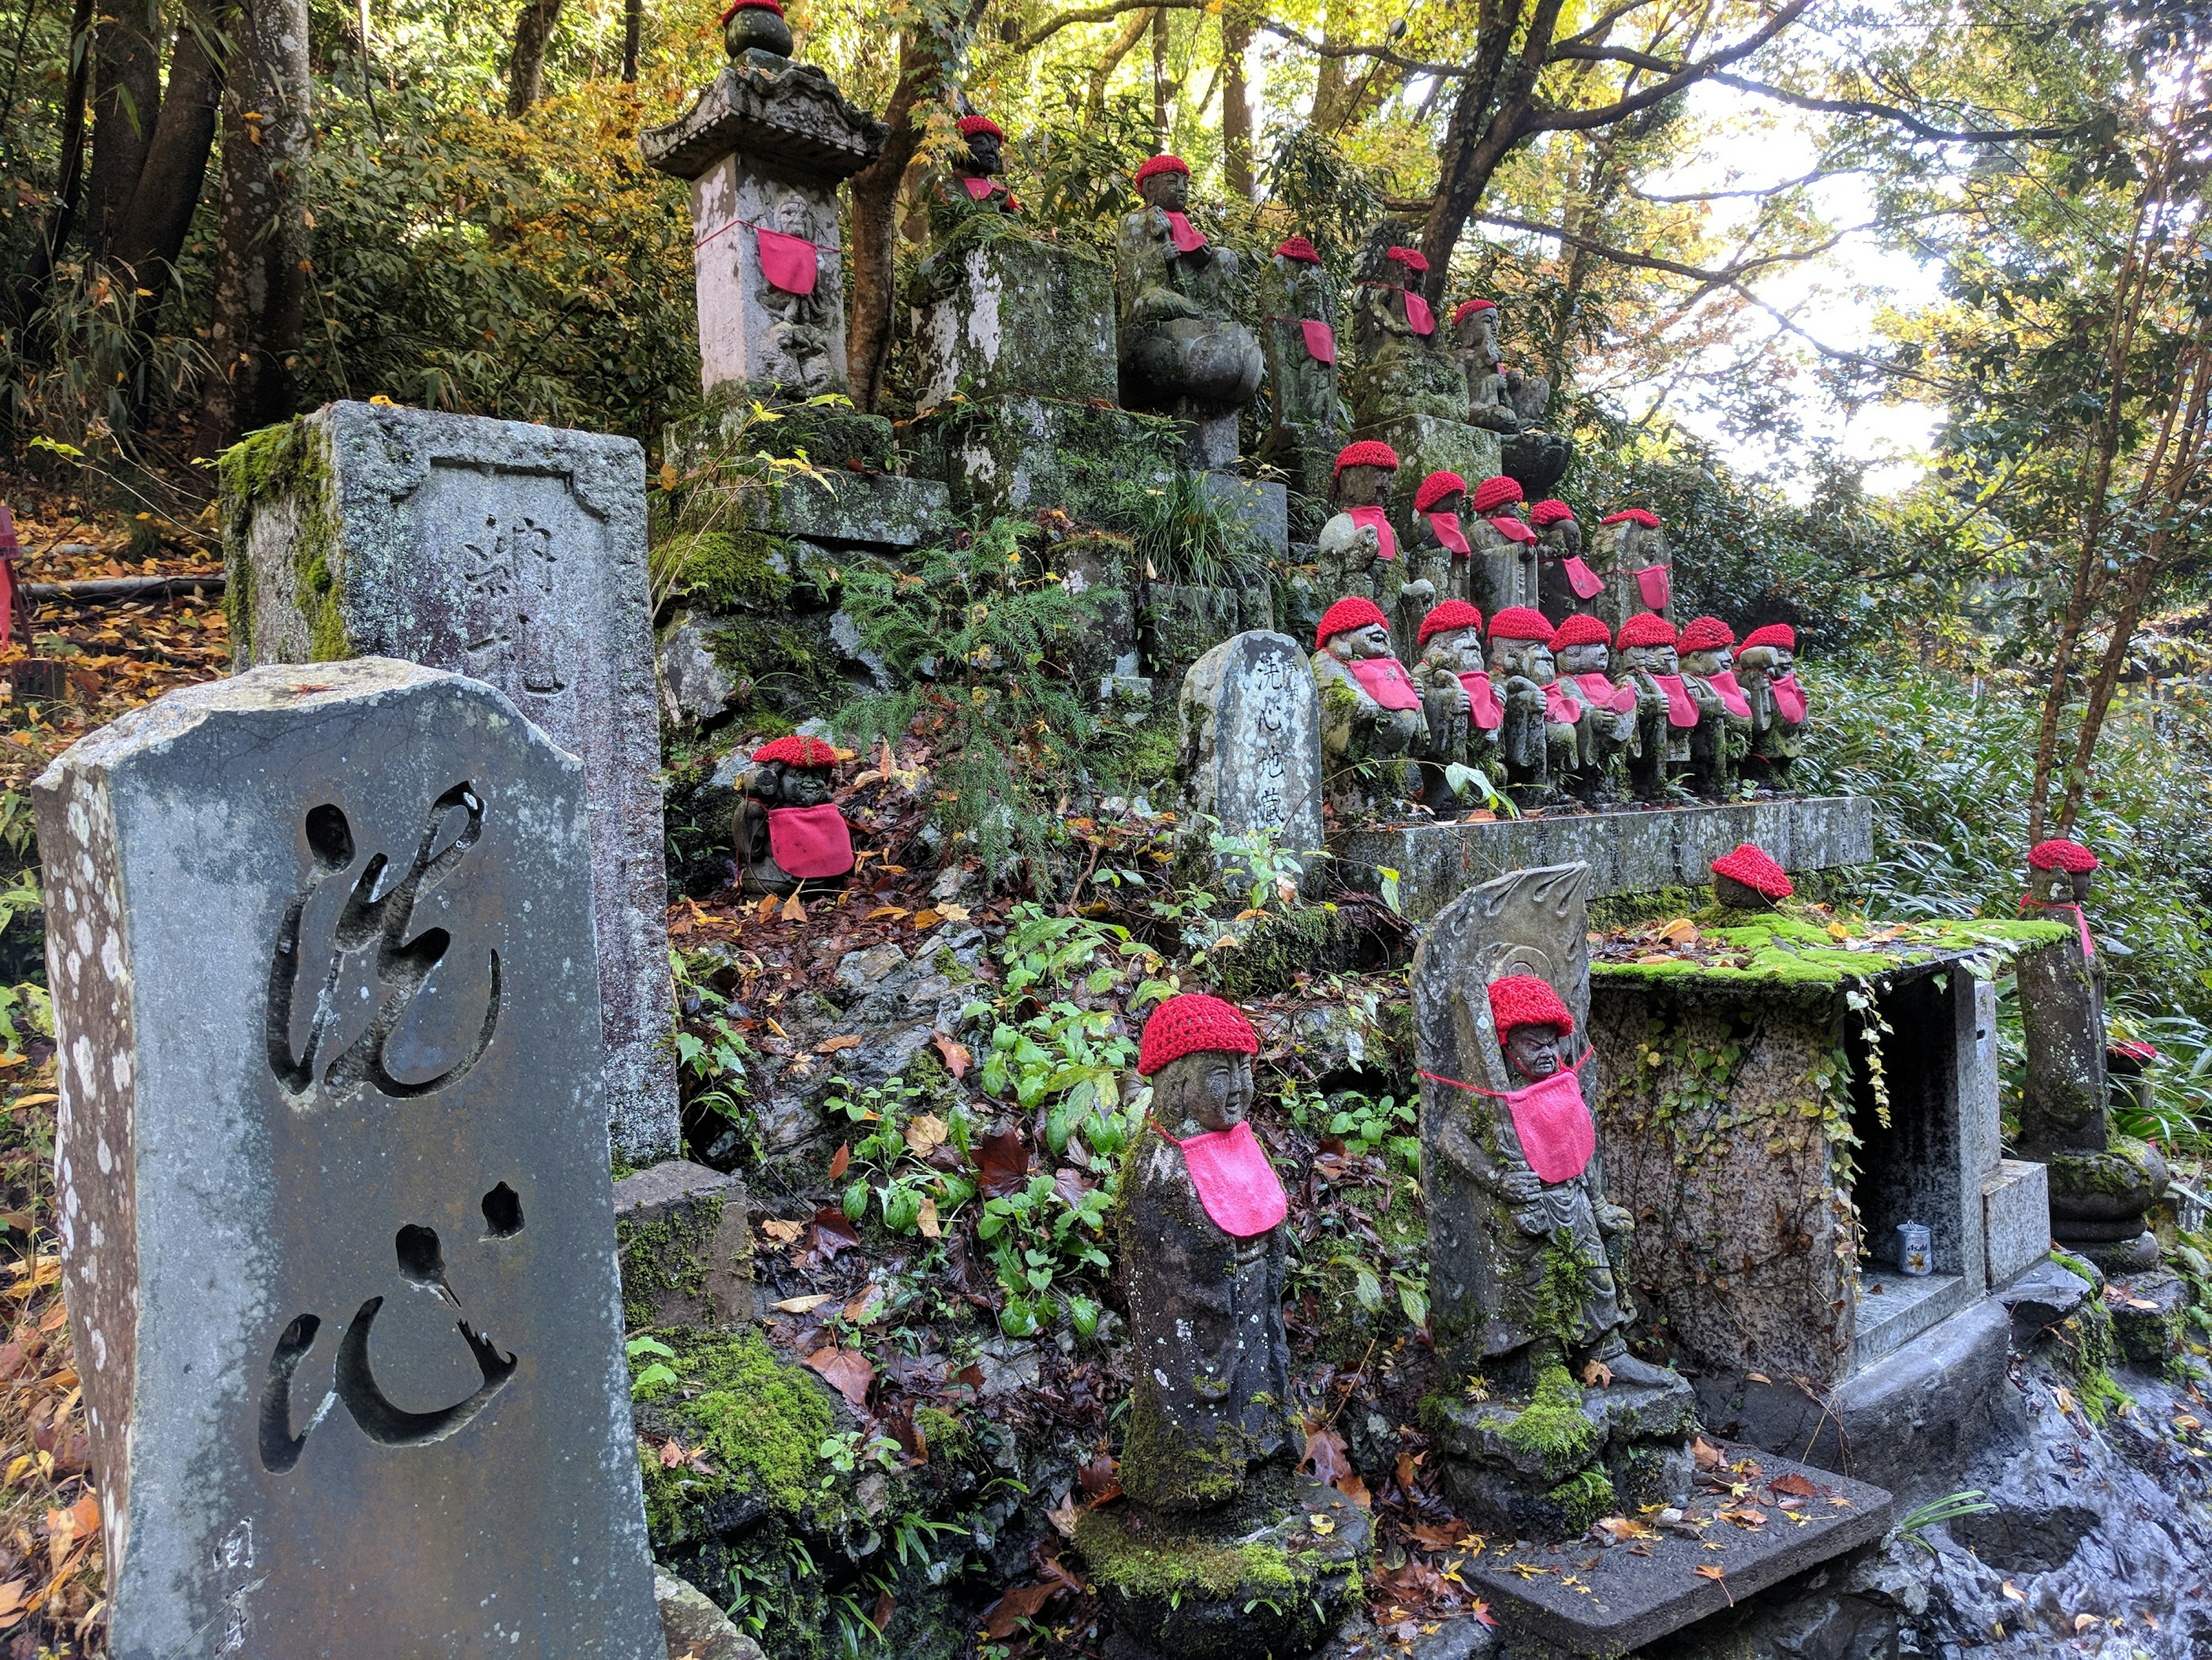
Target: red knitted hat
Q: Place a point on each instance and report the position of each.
(751, 5)
(1452, 614)
(1751, 867)
(2134, 1048)
(1467, 305)
(1523, 999)
(1496, 492)
(1581, 629)
(1646, 628)
(1367, 453)
(1298, 247)
(1410, 259)
(1707, 634)
(1162, 164)
(1550, 511)
(1642, 516)
(1520, 623)
(1193, 1023)
(972, 124)
(1512, 529)
(2055, 854)
(798, 751)
(1346, 615)
(1774, 634)
(1434, 488)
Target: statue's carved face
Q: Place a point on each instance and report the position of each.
(1394, 275)
(1168, 191)
(2059, 887)
(1770, 660)
(1478, 332)
(1450, 504)
(1591, 659)
(1703, 662)
(1534, 1051)
(1564, 537)
(1208, 1091)
(1460, 649)
(984, 155)
(1369, 640)
(1654, 660)
(780, 784)
(1528, 658)
(1364, 487)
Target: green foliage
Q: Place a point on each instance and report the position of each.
(1184, 535)
(760, 1419)
(1951, 1508)
(1038, 1236)
(889, 1171)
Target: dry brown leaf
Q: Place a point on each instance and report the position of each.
(1622, 1529)
(793, 911)
(838, 1045)
(1598, 1375)
(956, 1058)
(1062, 1516)
(2013, 1593)
(1796, 1486)
(846, 1370)
(927, 918)
(925, 1133)
(803, 1305)
(1708, 1456)
(1679, 932)
(1356, 1490)
(925, 1222)
(841, 1161)
(780, 1231)
(1015, 1605)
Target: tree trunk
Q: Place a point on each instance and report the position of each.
(262, 268)
(1235, 108)
(1102, 71)
(1160, 77)
(126, 100)
(152, 233)
(69, 183)
(633, 26)
(525, 67)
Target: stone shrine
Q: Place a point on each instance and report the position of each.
(321, 940)
(514, 554)
(1250, 763)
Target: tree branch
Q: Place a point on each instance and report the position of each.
(1101, 13)
(1659, 91)
(1911, 123)
(1327, 49)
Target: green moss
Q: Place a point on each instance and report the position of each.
(1552, 1425)
(730, 570)
(1278, 947)
(1791, 949)
(2122, 1167)
(761, 1419)
(285, 462)
(1582, 1497)
(1163, 1465)
(2088, 1336)
(950, 1441)
(1163, 1567)
(776, 661)
(664, 1259)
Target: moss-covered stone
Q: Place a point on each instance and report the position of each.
(1552, 1426)
(1792, 948)
(283, 468)
(760, 1419)
(1582, 1498)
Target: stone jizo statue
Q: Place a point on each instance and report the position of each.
(1629, 555)
(1358, 555)
(1459, 697)
(1372, 720)
(1406, 368)
(787, 830)
(1476, 334)
(1747, 878)
(973, 186)
(1666, 714)
(1723, 732)
(1537, 741)
(1766, 665)
(1440, 554)
(1566, 585)
(1301, 336)
(1581, 650)
(1503, 574)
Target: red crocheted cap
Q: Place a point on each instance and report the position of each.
(1512, 529)
(1367, 453)
(1523, 999)
(1346, 615)
(798, 751)
(2135, 1050)
(2068, 856)
(1467, 305)
(1434, 488)
(751, 5)
(1751, 867)
(1452, 614)
(1646, 628)
(1520, 623)
(971, 125)
(1193, 1023)
(1550, 511)
(1162, 164)
(1410, 259)
(1707, 634)
(1581, 629)
(1496, 492)
(1774, 634)
(1642, 516)
(1298, 247)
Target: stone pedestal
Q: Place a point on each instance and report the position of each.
(1013, 317)
(1261, 506)
(1017, 455)
(2015, 1220)
(514, 554)
(684, 1247)
(1251, 749)
(336, 1234)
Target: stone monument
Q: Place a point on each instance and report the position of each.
(1475, 338)
(1546, 1421)
(1299, 334)
(337, 1237)
(1408, 390)
(1251, 748)
(1503, 574)
(514, 554)
(1766, 663)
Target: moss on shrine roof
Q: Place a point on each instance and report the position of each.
(1803, 947)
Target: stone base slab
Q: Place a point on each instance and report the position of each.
(1581, 1598)
(1632, 850)
(2015, 1219)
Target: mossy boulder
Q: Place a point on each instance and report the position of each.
(2116, 1184)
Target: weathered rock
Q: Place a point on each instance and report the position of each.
(695, 1629)
(1019, 454)
(1251, 746)
(1261, 506)
(2045, 1297)
(515, 555)
(693, 687)
(1014, 317)
(683, 1246)
(1183, 621)
(2147, 1312)
(321, 949)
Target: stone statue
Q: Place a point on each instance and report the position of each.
(1460, 699)
(1181, 352)
(1581, 651)
(1372, 720)
(1300, 337)
(1526, 1255)
(756, 26)
(1476, 334)
(1440, 554)
(1666, 714)
(2101, 1182)
(1538, 739)
(1358, 555)
(1766, 663)
(1405, 368)
(1749, 879)
(1723, 732)
(1629, 556)
(1505, 571)
(787, 831)
(973, 186)
(1566, 585)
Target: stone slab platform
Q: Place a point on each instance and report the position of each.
(1582, 1598)
(1630, 850)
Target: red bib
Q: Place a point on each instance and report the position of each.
(1652, 583)
(1730, 694)
(1557, 1133)
(1235, 1182)
(1483, 707)
(1418, 318)
(1586, 582)
(789, 262)
(1321, 342)
(1512, 529)
(1385, 680)
(1381, 522)
(1559, 705)
(1604, 694)
(1188, 239)
(810, 841)
(977, 188)
(1789, 697)
(1446, 527)
(1681, 711)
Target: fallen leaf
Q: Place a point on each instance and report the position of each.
(1708, 1457)
(781, 1232)
(1322, 1526)
(803, 1305)
(1679, 932)
(1063, 1516)
(1100, 1480)
(1718, 1575)
(1002, 1163)
(1481, 1612)
(956, 1058)
(848, 1371)
(1622, 1529)
(1326, 1455)
(841, 1161)
(1744, 1515)
(925, 1133)
(1015, 1605)
(953, 913)
(838, 1045)
(925, 1222)
(833, 1233)
(1759, 1378)
(867, 1307)
(1792, 1484)
(1598, 1375)
(793, 910)
(2012, 1592)
(1356, 1490)
(881, 1618)
(926, 918)
(2083, 1621)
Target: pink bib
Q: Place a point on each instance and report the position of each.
(1652, 583)
(977, 188)
(1681, 711)
(1604, 694)
(1188, 239)
(1321, 342)
(1586, 582)
(1559, 705)
(1483, 707)
(1512, 529)
(1446, 527)
(1385, 680)
(810, 841)
(1235, 1182)
(1730, 694)
(1556, 1131)
(1418, 318)
(789, 262)
(1380, 521)
(1789, 697)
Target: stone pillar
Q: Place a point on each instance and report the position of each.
(1013, 318)
(514, 554)
(764, 151)
(320, 945)
(1251, 747)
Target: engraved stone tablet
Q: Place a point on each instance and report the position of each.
(1251, 746)
(337, 1235)
(514, 554)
